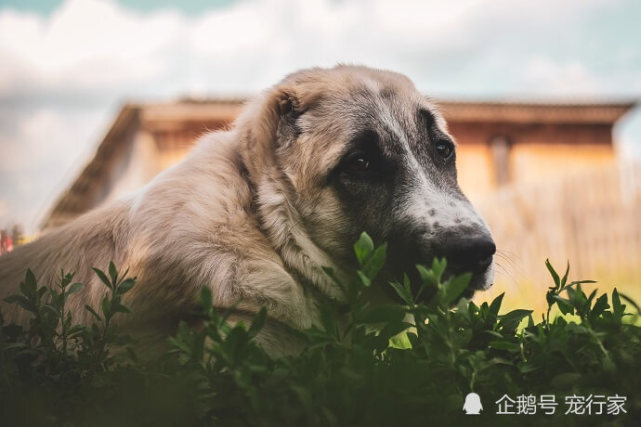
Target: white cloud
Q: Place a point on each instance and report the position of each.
(98, 45)
(560, 78)
(61, 74)
(83, 45)
(42, 150)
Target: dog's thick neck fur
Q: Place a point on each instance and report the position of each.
(275, 197)
(280, 222)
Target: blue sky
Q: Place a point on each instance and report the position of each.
(68, 65)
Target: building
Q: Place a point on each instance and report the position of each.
(499, 144)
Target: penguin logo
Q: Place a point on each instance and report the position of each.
(473, 405)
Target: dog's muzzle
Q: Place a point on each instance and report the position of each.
(467, 253)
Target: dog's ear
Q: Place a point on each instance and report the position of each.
(289, 109)
(288, 104)
(267, 124)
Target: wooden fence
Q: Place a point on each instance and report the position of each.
(591, 219)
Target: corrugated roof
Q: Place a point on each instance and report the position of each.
(536, 112)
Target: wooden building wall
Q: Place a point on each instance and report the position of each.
(491, 155)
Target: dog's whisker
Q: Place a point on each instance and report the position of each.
(506, 272)
(506, 260)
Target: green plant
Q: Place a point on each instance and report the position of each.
(408, 361)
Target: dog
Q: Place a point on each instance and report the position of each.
(256, 212)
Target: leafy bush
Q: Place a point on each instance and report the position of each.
(364, 364)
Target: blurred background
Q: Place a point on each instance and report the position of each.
(98, 96)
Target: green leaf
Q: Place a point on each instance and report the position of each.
(396, 328)
(564, 305)
(56, 298)
(506, 345)
(553, 273)
(403, 290)
(400, 341)
(113, 273)
(363, 248)
(590, 298)
(600, 305)
(438, 268)
(102, 276)
(413, 339)
(30, 282)
(427, 276)
(375, 262)
(564, 279)
(496, 306)
(125, 286)
(617, 307)
(576, 296)
(579, 282)
(428, 281)
(106, 307)
(364, 279)
(21, 300)
(454, 287)
(66, 278)
(74, 288)
(119, 308)
(512, 319)
(93, 312)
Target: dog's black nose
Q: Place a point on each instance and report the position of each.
(472, 253)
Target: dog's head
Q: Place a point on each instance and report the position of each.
(350, 149)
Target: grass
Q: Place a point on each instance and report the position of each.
(523, 292)
(409, 362)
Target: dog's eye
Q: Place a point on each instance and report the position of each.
(358, 164)
(445, 149)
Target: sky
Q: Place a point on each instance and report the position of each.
(67, 66)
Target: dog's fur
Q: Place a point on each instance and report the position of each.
(255, 212)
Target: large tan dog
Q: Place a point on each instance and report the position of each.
(254, 213)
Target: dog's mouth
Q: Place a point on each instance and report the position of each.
(481, 280)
